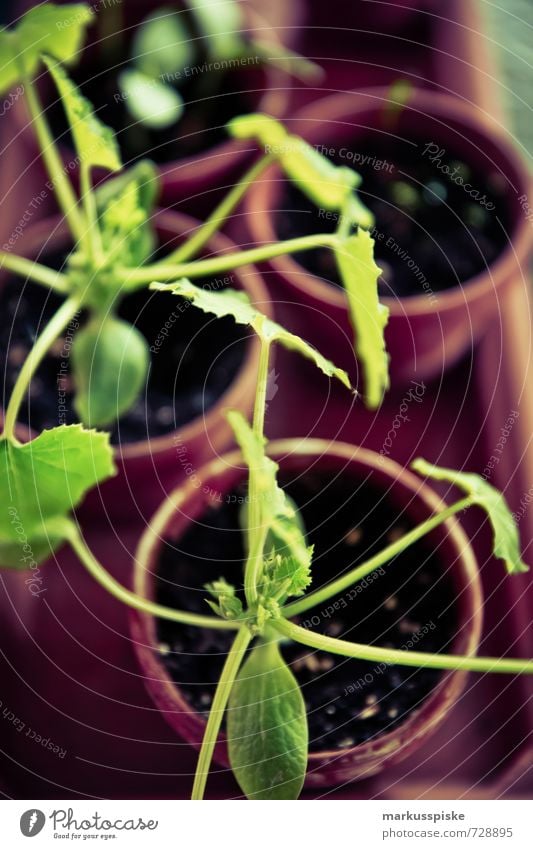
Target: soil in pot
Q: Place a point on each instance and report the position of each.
(431, 234)
(212, 97)
(191, 365)
(408, 604)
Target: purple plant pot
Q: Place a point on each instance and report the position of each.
(414, 500)
(424, 338)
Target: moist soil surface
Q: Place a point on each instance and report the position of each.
(430, 234)
(191, 368)
(407, 604)
(211, 99)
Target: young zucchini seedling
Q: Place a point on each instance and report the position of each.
(46, 478)
(113, 237)
(266, 719)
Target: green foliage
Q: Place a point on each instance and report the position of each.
(110, 361)
(48, 28)
(41, 482)
(162, 46)
(227, 605)
(287, 569)
(506, 544)
(125, 207)
(327, 185)
(267, 727)
(360, 274)
(95, 143)
(150, 101)
(229, 302)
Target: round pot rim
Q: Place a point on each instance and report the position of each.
(250, 281)
(451, 683)
(427, 103)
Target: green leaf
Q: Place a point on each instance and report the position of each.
(267, 727)
(327, 185)
(144, 174)
(95, 143)
(41, 482)
(151, 102)
(220, 23)
(110, 361)
(506, 544)
(229, 302)
(288, 557)
(228, 605)
(360, 274)
(47, 28)
(162, 45)
(125, 206)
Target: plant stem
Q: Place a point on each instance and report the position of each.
(35, 272)
(63, 189)
(217, 265)
(220, 701)
(360, 572)
(92, 236)
(256, 530)
(219, 215)
(403, 657)
(130, 598)
(57, 323)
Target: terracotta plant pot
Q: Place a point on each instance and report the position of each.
(147, 469)
(411, 499)
(425, 335)
(187, 179)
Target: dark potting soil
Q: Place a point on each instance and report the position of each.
(190, 369)
(407, 604)
(430, 235)
(211, 99)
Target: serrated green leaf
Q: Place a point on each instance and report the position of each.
(327, 185)
(360, 274)
(151, 102)
(41, 482)
(110, 361)
(506, 543)
(55, 30)
(267, 727)
(287, 556)
(229, 302)
(162, 45)
(125, 206)
(95, 143)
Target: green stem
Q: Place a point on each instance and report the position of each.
(57, 323)
(92, 236)
(102, 577)
(220, 701)
(256, 530)
(35, 272)
(404, 657)
(63, 189)
(215, 221)
(382, 557)
(217, 265)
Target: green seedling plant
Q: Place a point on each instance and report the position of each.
(44, 480)
(171, 47)
(267, 733)
(113, 234)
